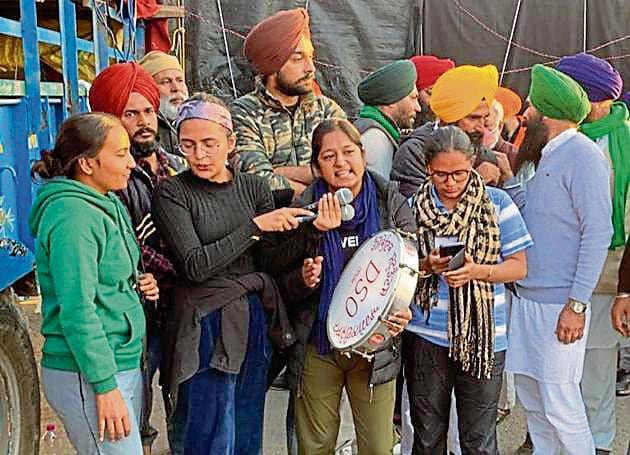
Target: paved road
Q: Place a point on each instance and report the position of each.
(511, 431)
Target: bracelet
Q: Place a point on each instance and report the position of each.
(622, 295)
(490, 272)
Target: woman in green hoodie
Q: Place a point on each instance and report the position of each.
(87, 259)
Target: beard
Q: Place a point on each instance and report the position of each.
(536, 137)
(424, 116)
(294, 88)
(476, 138)
(403, 120)
(144, 149)
(167, 108)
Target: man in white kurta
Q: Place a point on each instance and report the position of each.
(568, 213)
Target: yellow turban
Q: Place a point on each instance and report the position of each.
(156, 61)
(460, 90)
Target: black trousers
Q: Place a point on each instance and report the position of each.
(431, 377)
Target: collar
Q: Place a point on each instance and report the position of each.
(438, 203)
(163, 166)
(558, 141)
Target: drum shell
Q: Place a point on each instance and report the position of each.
(404, 288)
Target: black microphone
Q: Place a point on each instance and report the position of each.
(347, 213)
(343, 195)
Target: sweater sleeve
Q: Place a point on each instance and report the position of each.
(624, 270)
(198, 262)
(590, 193)
(74, 256)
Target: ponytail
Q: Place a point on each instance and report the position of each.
(80, 136)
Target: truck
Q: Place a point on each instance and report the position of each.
(47, 49)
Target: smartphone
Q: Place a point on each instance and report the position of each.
(458, 260)
(451, 249)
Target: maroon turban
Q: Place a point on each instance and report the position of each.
(271, 42)
(111, 89)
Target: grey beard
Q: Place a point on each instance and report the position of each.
(168, 109)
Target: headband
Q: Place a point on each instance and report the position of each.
(206, 111)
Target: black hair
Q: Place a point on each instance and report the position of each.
(82, 135)
(326, 127)
(445, 139)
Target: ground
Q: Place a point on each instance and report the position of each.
(511, 431)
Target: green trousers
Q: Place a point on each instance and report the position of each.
(317, 407)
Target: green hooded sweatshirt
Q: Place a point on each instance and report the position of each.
(87, 257)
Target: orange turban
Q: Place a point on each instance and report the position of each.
(111, 89)
(271, 42)
(460, 90)
(510, 101)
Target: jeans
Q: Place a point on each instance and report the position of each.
(431, 377)
(73, 399)
(221, 413)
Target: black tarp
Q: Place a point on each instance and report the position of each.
(353, 37)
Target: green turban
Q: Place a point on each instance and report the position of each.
(388, 84)
(557, 96)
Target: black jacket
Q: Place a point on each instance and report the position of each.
(168, 136)
(409, 167)
(302, 302)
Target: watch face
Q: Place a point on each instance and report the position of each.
(578, 307)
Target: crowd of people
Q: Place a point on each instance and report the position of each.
(190, 255)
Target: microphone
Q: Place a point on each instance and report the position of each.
(347, 213)
(343, 195)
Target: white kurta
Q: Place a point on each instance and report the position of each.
(534, 349)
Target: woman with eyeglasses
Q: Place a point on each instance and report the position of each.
(457, 338)
(217, 346)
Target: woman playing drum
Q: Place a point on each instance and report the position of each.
(317, 374)
(457, 337)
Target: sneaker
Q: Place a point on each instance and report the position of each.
(623, 383)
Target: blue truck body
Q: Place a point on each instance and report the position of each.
(31, 111)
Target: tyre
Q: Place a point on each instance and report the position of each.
(19, 384)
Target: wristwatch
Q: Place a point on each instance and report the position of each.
(576, 306)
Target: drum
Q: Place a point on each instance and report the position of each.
(380, 278)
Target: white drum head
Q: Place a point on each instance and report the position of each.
(365, 290)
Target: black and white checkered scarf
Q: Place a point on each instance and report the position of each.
(474, 222)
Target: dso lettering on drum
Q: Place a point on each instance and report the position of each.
(344, 333)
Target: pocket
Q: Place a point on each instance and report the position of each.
(134, 318)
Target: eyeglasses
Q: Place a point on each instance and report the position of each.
(206, 149)
(458, 176)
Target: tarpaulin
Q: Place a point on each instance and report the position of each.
(354, 37)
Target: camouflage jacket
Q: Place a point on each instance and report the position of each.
(269, 135)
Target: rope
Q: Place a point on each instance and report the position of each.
(306, 5)
(509, 46)
(551, 59)
(497, 34)
(227, 50)
(584, 28)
